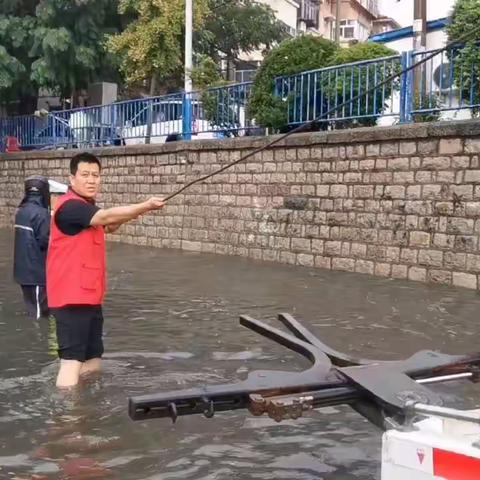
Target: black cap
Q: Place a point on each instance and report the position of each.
(38, 185)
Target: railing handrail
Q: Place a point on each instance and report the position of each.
(307, 97)
(342, 66)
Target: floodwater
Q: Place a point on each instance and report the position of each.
(172, 323)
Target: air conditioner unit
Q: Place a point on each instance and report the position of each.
(443, 79)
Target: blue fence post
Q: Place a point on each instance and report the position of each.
(113, 119)
(187, 116)
(54, 131)
(403, 88)
(409, 87)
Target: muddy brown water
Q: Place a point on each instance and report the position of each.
(171, 323)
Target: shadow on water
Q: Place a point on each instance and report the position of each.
(172, 322)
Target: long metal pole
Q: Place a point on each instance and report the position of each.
(187, 104)
(188, 45)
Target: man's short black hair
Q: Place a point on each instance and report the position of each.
(83, 157)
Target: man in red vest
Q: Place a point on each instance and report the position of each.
(76, 268)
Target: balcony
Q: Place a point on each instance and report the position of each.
(370, 6)
(309, 12)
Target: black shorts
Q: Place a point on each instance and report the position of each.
(79, 332)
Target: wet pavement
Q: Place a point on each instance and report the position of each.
(171, 323)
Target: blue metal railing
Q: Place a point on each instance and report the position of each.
(445, 83)
(146, 120)
(310, 95)
(445, 86)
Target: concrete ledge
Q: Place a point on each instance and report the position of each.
(464, 128)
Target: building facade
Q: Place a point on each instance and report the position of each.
(317, 17)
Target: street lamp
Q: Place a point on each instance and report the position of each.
(187, 98)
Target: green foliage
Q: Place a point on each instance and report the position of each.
(234, 27)
(206, 74)
(430, 101)
(10, 69)
(362, 78)
(68, 43)
(218, 99)
(55, 44)
(290, 57)
(17, 21)
(466, 18)
(152, 43)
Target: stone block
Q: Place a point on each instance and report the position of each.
(396, 164)
(430, 258)
(403, 177)
(343, 264)
(408, 148)
(364, 266)
(389, 149)
(333, 248)
(443, 277)
(465, 280)
(436, 163)
(373, 150)
(417, 274)
(472, 145)
(338, 191)
(383, 269)
(450, 146)
(305, 260)
(420, 239)
(323, 262)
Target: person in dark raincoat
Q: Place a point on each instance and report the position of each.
(32, 232)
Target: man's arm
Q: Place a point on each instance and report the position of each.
(119, 215)
(113, 227)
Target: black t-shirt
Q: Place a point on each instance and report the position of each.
(74, 216)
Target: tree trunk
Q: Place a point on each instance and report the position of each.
(153, 85)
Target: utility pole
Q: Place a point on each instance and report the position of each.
(419, 42)
(187, 102)
(420, 25)
(337, 22)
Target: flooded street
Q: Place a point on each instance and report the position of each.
(171, 323)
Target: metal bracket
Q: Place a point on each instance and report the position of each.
(378, 390)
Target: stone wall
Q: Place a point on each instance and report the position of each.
(399, 202)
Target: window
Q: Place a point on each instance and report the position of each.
(347, 28)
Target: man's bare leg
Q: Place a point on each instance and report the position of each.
(69, 373)
(91, 366)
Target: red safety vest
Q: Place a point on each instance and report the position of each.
(76, 265)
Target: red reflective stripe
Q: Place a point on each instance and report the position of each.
(453, 466)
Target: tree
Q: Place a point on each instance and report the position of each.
(151, 47)
(290, 57)
(352, 81)
(68, 44)
(233, 28)
(466, 59)
(17, 22)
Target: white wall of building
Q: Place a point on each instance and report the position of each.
(402, 10)
(285, 10)
(435, 39)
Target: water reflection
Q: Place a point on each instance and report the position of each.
(172, 322)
